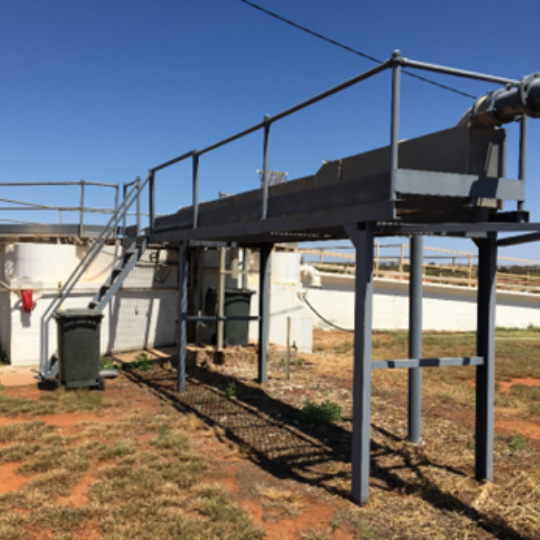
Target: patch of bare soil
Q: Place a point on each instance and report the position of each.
(79, 495)
(9, 479)
(505, 386)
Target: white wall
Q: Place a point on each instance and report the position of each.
(143, 313)
(284, 302)
(445, 307)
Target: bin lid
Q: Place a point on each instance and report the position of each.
(240, 291)
(81, 313)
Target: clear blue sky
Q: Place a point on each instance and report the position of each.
(105, 89)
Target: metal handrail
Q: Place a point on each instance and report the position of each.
(81, 208)
(72, 280)
(396, 62)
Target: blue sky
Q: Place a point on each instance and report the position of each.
(105, 89)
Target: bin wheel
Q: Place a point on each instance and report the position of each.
(48, 384)
(101, 383)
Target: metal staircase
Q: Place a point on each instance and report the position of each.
(126, 263)
(128, 260)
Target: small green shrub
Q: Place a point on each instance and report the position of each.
(321, 413)
(141, 362)
(230, 391)
(534, 409)
(517, 443)
(109, 363)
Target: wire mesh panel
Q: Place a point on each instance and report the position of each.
(274, 177)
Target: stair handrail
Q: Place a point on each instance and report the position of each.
(109, 229)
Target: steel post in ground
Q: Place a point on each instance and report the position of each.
(362, 237)
(415, 337)
(220, 326)
(485, 345)
(182, 315)
(264, 308)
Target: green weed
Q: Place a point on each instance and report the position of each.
(321, 413)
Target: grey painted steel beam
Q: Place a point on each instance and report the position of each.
(485, 345)
(389, 229)
(416, 270)
(521, 239)
(369, 211)
(216, 318)
(264, 309)
(362, 237)
(442, 184)
(183, 269)
(428, 362)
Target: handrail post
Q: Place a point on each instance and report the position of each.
(124, 219)
(138, 187)
(523, 132)
(81, 218)
(394, 123)
(116, 194)
(195, 188)
(266, 146)
(152, 201)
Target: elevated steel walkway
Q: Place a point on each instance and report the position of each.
(450, 183)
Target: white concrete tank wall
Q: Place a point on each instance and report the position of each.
(284, 302)
(445, 307)
(143, 313)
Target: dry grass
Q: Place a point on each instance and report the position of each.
(58, 401)
(146, 483)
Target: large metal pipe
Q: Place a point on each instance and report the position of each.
(507, 104)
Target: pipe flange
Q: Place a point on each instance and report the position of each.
(529, 93)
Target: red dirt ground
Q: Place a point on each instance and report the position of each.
(11, 481)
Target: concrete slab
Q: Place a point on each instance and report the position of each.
(18, 375)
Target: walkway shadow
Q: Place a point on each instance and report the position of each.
(276, 437)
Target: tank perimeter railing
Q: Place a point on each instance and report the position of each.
(81, 209)
(395, 63)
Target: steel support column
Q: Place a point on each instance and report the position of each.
(362, 237)
(264, 308)
(182, 314)
(485, 345)
(415, 337)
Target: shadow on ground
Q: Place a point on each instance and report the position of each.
(277, 437)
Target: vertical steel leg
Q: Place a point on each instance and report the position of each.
(415, 338)
(362, 238)
(182, 314)
(485, 345)
(264, 308)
